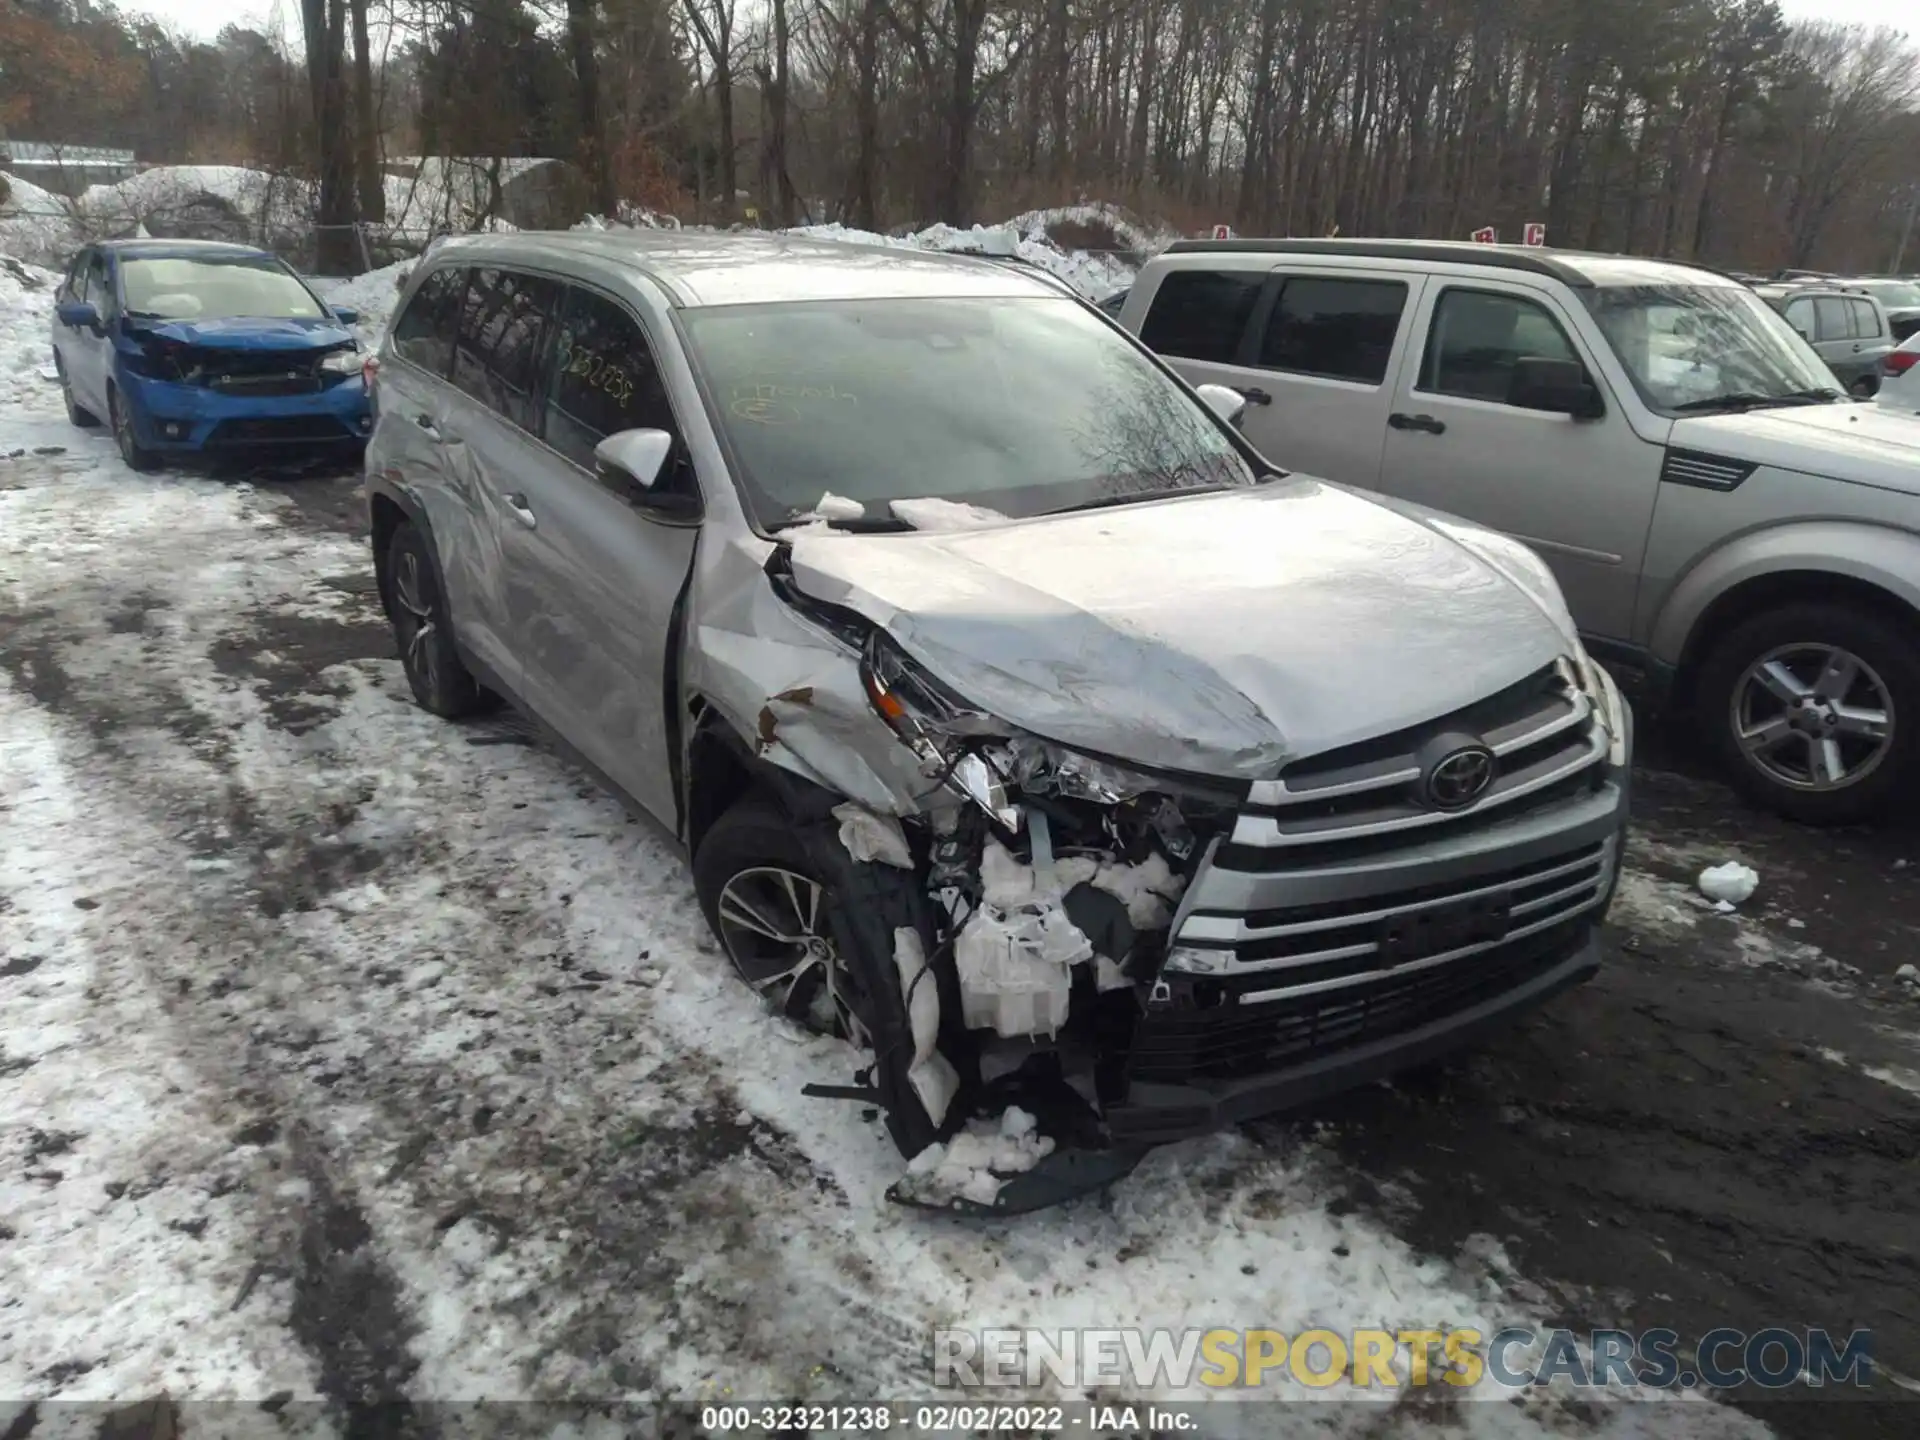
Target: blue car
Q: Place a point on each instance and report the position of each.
(193, 347)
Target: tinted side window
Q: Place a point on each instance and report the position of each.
(601, 378)
(502, 322)
(425, 331)
(1342, 329)
(1201, 314)
(1800, 316)
(1835, 322)
(1866, 320)
(1476, 337)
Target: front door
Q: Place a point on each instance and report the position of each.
(593, 578)
(1581, 492)
(87, 350)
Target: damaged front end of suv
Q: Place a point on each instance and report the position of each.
(1077, 890)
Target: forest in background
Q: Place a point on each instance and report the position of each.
(1704, 129)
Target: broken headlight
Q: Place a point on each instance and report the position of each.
(937, 725)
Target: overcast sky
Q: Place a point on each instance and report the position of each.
(200, 18)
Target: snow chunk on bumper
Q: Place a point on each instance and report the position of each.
(975, 1163)
(869, 837)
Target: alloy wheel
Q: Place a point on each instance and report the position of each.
(1813, 717)
(774, 924)
(416, 622)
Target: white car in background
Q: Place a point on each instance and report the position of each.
(1900, 377)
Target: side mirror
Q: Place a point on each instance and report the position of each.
(79, 314)
(345, 314)
(1226, 402)
(631, 463)
(1559, 387)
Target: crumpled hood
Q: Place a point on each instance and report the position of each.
(1867, 444)
(249, 332)
(1221, 634)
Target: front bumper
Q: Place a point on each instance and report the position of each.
(1154, 1113)
(173, 417)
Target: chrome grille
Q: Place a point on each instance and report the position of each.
(1335, 878)
(1542, 733)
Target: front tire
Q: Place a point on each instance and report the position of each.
(812, 932)
(424, 632)
(120, 413)
(1815, 710)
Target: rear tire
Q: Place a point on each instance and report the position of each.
(137, 456)
(1865, 388)
(843, 969)
(424, 631)
(1788, 699)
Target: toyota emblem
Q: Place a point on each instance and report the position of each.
(1458, 778)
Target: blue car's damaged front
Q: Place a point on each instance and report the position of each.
(242, 381)
(193, 347)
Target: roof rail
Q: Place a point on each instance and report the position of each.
(1456, 252)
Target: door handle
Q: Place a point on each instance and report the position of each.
(1417, 422)
(517, 503)
(1254, 395)
(425, 422)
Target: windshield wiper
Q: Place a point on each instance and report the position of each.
(853, 525)
(1748, 400)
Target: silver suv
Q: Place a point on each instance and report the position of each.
(1844, 322)
(1736, 539)
(1025, 729)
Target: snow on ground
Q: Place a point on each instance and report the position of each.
(26, 319)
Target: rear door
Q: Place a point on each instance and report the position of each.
(1581, 492)
(1311, 350)
(1871, 342)
(417, 441)
(593, 578)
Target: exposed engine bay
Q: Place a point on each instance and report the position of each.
(1056, 877)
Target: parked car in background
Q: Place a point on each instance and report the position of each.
(1845, 324)
(1901, 300)
(1007, 702)
(1731, 532)
(1900, 386)
(198, 347)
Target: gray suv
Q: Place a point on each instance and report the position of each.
(1735, 537)
(1025, 729)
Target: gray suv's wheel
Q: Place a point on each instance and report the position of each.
(1816, 709)
(812, 932)
(424, 631)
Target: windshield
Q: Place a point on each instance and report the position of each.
(178, 288)
(1694, 346)
(1019, 406)
(1894, 294)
